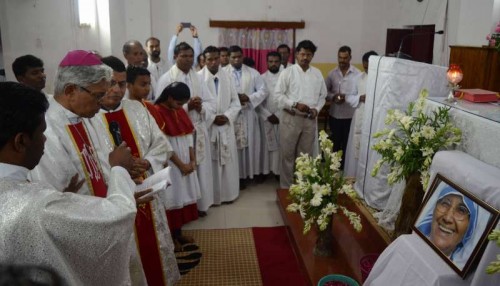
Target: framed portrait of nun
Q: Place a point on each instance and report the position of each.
(455, 224)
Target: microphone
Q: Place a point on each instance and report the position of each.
(399, 54)
(114, 129)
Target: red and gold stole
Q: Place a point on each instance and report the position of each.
(127, 133)
(145, 231)
(88, 158)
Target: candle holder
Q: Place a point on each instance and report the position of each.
(454, 75)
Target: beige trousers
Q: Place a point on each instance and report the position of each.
(296, 136)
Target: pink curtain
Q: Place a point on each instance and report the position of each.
(256, 43)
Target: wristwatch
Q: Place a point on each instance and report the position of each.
(294, 105)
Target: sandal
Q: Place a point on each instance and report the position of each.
(186, 247)
(192, 256)
(186, 266)
(182, 239)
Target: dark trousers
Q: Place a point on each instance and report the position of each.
(340, 134)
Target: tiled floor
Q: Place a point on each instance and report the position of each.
(256, 206)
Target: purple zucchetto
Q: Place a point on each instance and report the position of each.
(80, 58)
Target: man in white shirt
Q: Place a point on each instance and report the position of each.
(221, 130)
(156, 65)
(83, 238)
(251, 91)
(269, 115)
(197, 49)
(342, 91)
(300, 93)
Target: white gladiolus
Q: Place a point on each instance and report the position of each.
(408, 133)
(406, 121)
(316, 188)
(428, 132)
(318, 183)
(316, 200)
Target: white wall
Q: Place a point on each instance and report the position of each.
(495, 18)
(475, 22)
(48, 28)
(328, 23)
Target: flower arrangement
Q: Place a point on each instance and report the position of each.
(494, 38)
(319, 182)
(410, 145)
(494, 266)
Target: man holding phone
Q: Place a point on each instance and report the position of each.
(173, 42)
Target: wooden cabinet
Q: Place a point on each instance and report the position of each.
(480, 65)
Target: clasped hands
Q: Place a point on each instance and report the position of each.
(243, 98)
(120, 156)
(187, 168)
(220, 120)
(311, 112)
(339, 98)
(195, 103)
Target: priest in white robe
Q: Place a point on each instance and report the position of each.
(354, 141)
(252, 92)
(45, 227)
(270, 115)
(221, 130)
(200, 108)
(150, 148)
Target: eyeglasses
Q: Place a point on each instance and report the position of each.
(460, 212)
(98, 96)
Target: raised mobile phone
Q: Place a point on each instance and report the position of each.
(186, 25)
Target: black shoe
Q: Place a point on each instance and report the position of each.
(202, 214)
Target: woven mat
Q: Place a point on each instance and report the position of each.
(229, 259)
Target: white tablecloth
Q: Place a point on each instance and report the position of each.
(392, 83)
(410, 261)
(480, 125)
